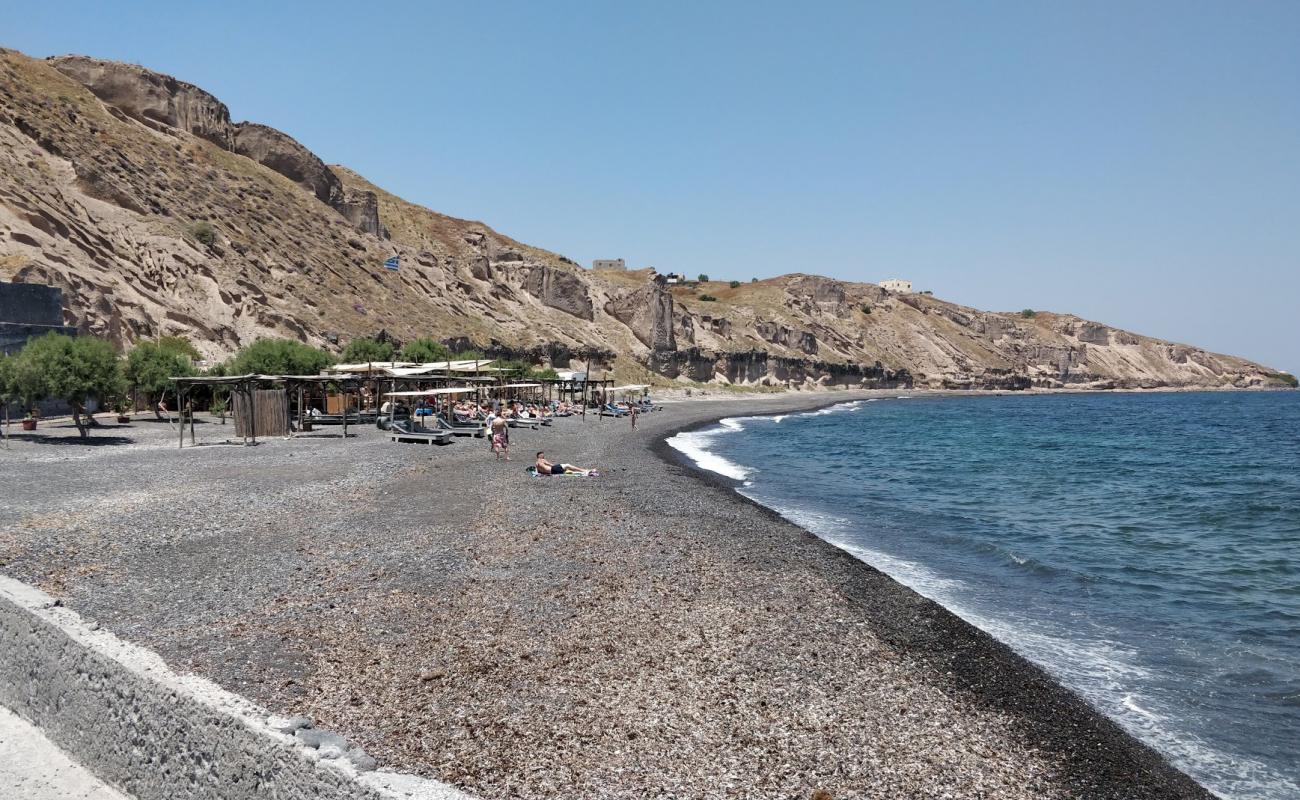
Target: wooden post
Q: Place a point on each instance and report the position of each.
(190, 411)
(299, 408)
(345, 411)
(180, 403)
(252, 409)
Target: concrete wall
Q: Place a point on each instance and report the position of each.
(125, 716)
(609, 263)
(27, 310)
(31, 304)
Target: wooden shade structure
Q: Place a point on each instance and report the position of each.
(271, 415)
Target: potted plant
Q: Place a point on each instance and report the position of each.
(122, 405)
(29, 421)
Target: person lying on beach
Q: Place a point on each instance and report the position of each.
(545, 467)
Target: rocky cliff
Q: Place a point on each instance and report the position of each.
(156, 214)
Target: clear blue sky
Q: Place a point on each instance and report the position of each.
(1136, 163)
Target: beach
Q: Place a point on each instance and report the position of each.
(646, 633)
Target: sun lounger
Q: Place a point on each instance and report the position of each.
(402, 431)
(610, 410)
(530, 422)
(460, 427)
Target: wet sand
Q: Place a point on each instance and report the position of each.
(649, 633)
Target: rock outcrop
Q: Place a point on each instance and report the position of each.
(282, 153)
(163, 102)
(151, 97)
(136, 195)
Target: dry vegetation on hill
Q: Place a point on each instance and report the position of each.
(157, 214)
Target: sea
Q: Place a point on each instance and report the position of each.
(1143, 548)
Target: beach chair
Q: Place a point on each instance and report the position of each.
(404, 431)
(460, 427)
(530, 422)
(611, 410)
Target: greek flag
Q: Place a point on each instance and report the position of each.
(392, 263)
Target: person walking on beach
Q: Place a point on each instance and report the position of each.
(632, 412)
(501, 438)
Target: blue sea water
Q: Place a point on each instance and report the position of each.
(1143, 548)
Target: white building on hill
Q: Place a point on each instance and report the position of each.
(897, 286)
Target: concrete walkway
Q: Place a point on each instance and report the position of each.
(34, 768)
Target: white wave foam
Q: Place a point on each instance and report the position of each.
(695, 446)
(838, 408)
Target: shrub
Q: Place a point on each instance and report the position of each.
(753, 280)
(279, 357)
(734, 284)
(425, 350)
(703, 278)
(219, 407)
(204, 233)
(866, 309)
(708, 298)
(1029, 313)
(1284, 377)
(367, 349)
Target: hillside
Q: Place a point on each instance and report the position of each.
(157, 214)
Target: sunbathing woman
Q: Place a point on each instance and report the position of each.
(545, 467)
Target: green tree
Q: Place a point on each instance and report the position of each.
(279, 357)
(424, 351)
(367, 349)
(152, 364)
(703, 278)
(178, 345)
(1028, 313)
(75, 369)
(8, 390)
(734, 284)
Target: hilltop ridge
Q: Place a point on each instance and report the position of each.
(156, 214)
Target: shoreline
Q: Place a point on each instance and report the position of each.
(1052, 712)
(650, 631)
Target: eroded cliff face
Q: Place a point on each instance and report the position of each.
(156, 214)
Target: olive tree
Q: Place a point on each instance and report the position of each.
(367, 349)
(75, 369)
(424, 351)
(279, 357)
(152, 364)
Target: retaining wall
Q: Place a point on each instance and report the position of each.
(128, 718)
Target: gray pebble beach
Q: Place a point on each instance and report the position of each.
(647, 633)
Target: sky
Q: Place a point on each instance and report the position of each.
(1135, 163)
